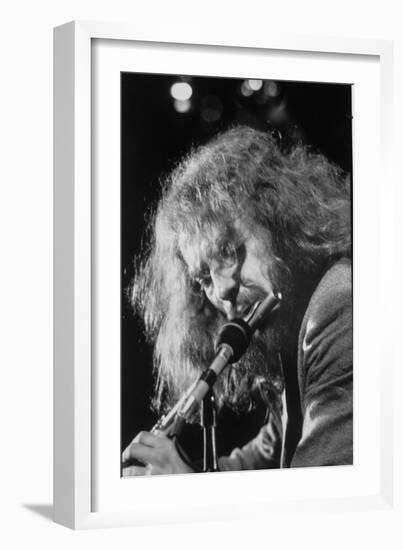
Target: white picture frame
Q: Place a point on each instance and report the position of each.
(78, 311)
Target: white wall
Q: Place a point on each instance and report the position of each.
(26, 267)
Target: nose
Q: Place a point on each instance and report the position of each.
(226, 286)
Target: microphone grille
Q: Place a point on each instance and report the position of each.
(237, 335)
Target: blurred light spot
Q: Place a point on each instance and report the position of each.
(211, 109)
(271, 88)
(182, 105)
(277, 114)
(181, 91)
(210, 115)
(255, 85)
(246, 89)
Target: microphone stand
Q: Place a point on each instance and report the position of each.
(208, 423)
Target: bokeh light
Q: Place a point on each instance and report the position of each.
(182, 105)
(181, 91)
(271, 88)
(277, 114)
(255, 85)
(211, 109)
(246, 90)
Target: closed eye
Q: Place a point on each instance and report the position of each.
(227, 254)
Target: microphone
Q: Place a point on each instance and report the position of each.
(232, 341)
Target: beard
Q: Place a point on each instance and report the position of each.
(241, 385)
(257, 373)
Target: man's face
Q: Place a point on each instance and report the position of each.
(233, 278)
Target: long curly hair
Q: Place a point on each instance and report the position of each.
(296, 197)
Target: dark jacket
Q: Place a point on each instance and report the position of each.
(316, 428)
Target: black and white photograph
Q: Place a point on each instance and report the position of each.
(202, 269)
(236, 274)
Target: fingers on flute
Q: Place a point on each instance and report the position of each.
(143, 453)
(131, 471)
(147, 448)
(150, 439)
(140, 444)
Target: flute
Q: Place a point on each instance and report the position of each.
(232, 341)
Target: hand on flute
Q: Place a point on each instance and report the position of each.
(157, 452)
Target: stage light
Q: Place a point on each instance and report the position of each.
(254, 84)
(182, 105)
(211, 109)
(246, 90)
(181, 91)
(277, 114)
(271, 88)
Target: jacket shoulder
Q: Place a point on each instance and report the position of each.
(333, 293)
(325, 337)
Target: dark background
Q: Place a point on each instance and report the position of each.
(154, 136)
